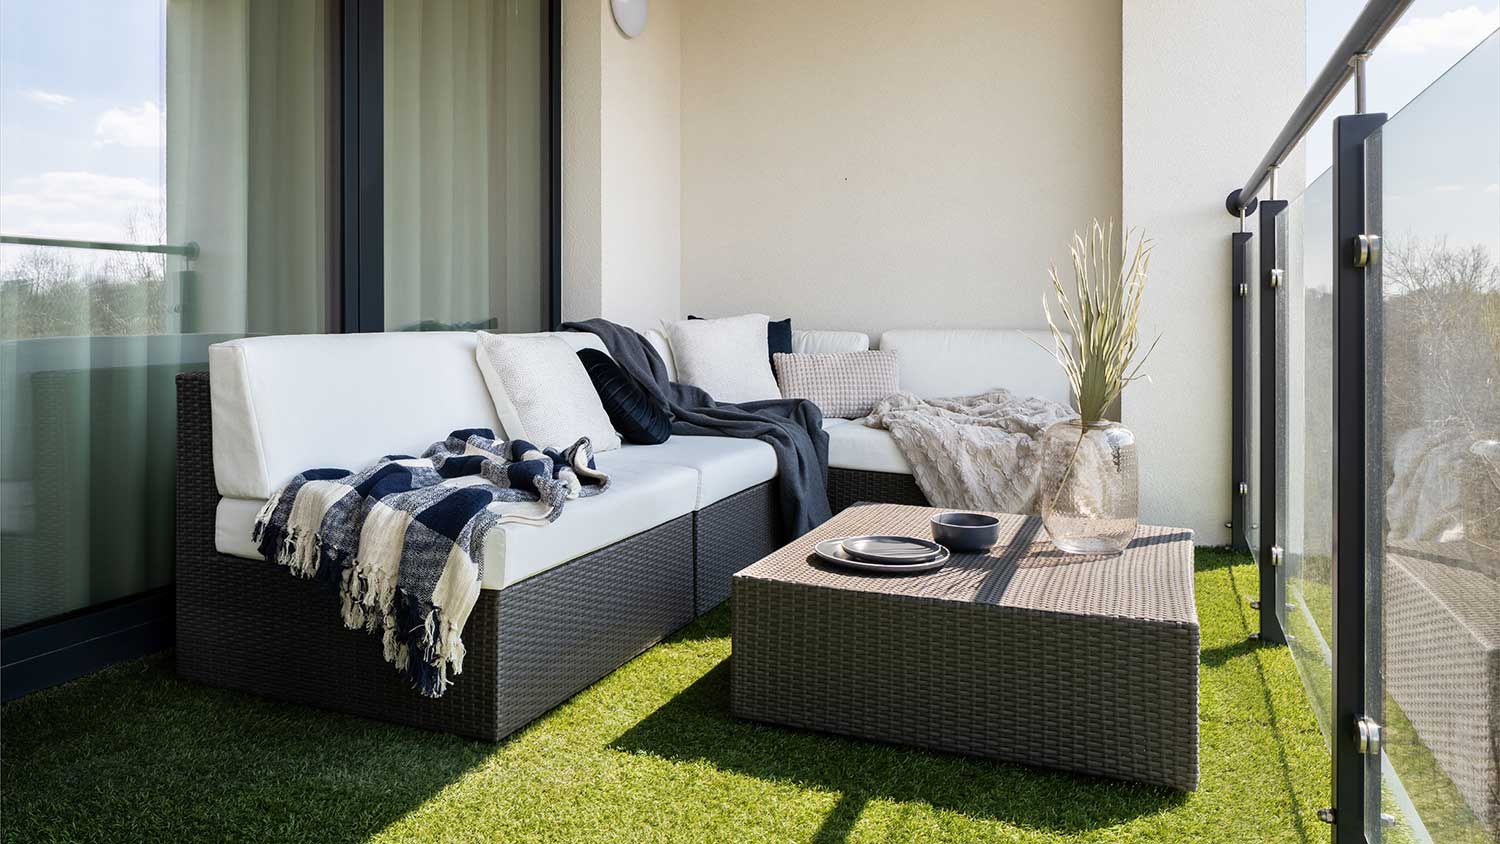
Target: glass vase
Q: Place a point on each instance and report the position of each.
(1089, 486)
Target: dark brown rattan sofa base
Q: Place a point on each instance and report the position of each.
(848, 486)
(1023, 654)
(248, 625)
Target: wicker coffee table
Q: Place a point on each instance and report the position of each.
(1025, 654)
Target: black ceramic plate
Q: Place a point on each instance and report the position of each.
(892, 549)
(833, 551)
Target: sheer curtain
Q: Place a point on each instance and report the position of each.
(249, 89)
(463, 142)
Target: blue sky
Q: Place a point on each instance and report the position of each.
(82, 124)
(1442, 158)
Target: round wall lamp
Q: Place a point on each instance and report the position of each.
(630, 16)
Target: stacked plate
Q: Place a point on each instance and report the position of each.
(888, 554)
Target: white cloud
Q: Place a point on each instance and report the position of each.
(1495, 188)
(1456, 30)
(130, 127)
(75, 204)
(49, 98)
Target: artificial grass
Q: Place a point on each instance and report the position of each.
(646, 754)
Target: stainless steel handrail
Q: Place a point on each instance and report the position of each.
(187, 250)
(1374, 21)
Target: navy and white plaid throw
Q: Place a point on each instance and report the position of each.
(403, 541)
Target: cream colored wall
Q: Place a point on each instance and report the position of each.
(870, 166)
(582, 208)
(642, 161)
(622, 231)
(1194, 126)
(880, 165)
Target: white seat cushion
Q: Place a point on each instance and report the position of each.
(724, 465)
(234, 521)
(943, 363)
(855, 446)
(639, 498)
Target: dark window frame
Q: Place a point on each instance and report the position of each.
(50, 651)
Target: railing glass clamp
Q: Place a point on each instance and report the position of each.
(1276, 555)
(1368, 732)
(1366, 250)
(1277, 276)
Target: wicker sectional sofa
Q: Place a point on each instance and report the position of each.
(562, 605)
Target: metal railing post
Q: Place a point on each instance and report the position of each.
(1356, 795)
(1239, 447)
(1273, 232)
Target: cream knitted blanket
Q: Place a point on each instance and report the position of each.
(976, 452)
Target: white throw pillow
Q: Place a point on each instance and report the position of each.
(726, 357)
(541, 391)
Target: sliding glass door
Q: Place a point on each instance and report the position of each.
(173, 173)
(164, 175)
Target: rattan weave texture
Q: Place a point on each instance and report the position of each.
(247, 624)
(1441, 663)
(1024, 654)
(729, 535)
(850, 486)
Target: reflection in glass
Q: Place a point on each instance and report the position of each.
(1435, 456)
(1307, 442)
(130, 122)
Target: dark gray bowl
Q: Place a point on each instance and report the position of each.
(965, 531)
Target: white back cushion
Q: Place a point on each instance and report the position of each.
(289, 403)
(659, 342)
(803, 342)
(828, 342)
(726, 357)
(941, 363)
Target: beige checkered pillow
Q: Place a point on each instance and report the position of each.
(844, 385)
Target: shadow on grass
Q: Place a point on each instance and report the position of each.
(1248, 645)
(135, 754)
(1215, 558)
(696, 725)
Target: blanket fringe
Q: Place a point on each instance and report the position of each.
(342, 530)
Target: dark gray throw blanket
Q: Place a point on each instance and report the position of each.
(793, 427)
(403, 541)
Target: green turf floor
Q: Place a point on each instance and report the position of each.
(647, 754)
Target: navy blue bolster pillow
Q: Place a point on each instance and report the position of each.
(630, 410)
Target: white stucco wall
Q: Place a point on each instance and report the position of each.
(871, 166)
(1194, 124)
(883, 165)
(642, 167)
(622, 195)
(581, 166)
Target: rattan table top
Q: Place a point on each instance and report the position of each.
(1151, 580)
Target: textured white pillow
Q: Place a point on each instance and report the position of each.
(541, 391)
(727, 357)
(844, 385)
